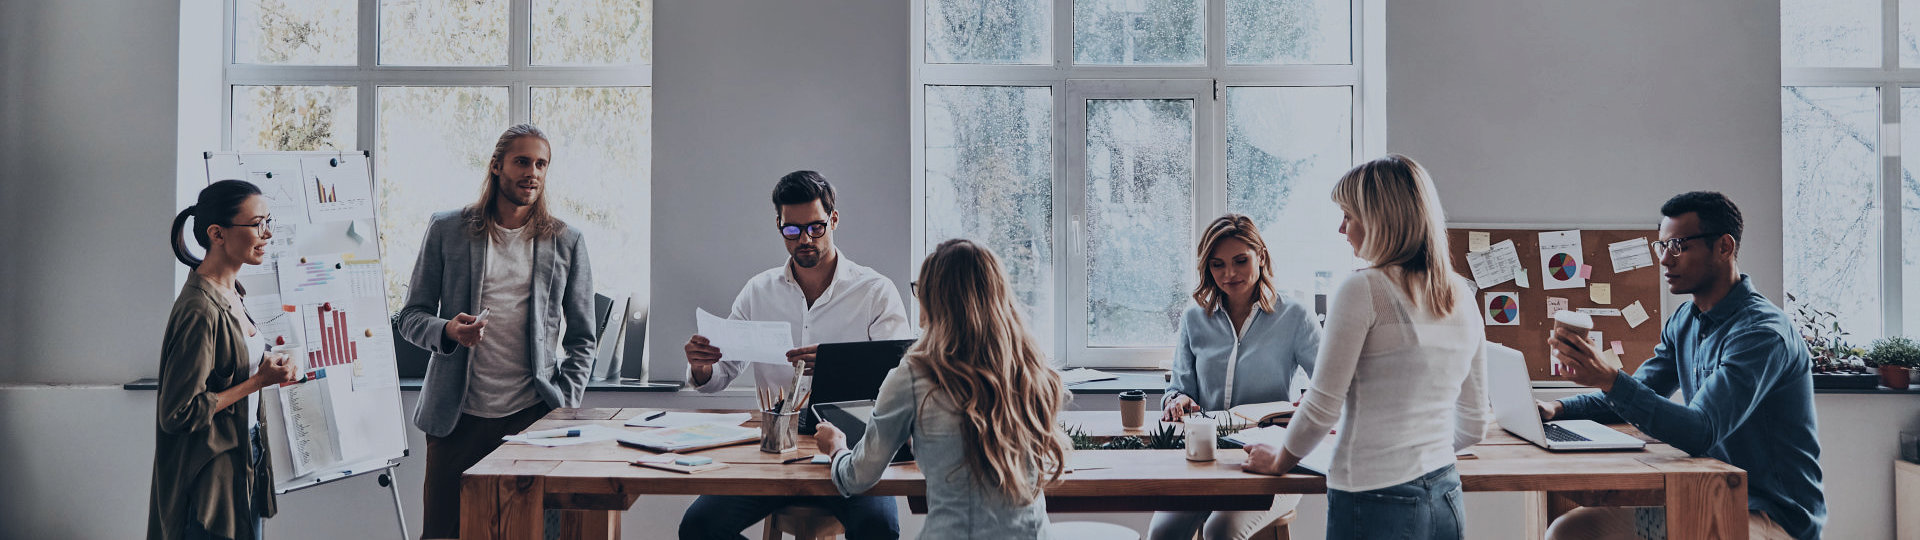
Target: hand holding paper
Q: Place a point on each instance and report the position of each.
(747, 341)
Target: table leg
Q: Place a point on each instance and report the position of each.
(501, 507)
(590, 524)
(1707, 505)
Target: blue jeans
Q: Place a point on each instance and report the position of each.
(1428, 507)
(714, 517)
(195, 531)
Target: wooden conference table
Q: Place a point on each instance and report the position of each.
(504, 496)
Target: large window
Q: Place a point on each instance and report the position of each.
(428, 86)
(1849, 104)
(1087, 142)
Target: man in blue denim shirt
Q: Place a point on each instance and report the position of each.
(1743, 368)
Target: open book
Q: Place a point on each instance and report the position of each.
(1260, 414)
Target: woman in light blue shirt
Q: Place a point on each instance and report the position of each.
(978, 399)
(1238, 345)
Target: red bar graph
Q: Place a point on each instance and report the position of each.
(335, 347)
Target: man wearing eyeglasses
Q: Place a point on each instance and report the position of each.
(827, 298)
(1743, 369)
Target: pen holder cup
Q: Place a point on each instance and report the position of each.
(778, 431)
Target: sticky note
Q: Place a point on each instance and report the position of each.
(1618, 348)
(1477, 241)
(1520, 277)
(1586, 271)
(1555, 305)
(1635, 314)
(1602, 293)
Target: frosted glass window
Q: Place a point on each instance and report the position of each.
(592, 32)
(432, 156)
(1289, 32)
(1286, 147)
(602, 174)
(1830, 33)
(1139, 220)
(989, 31)
(989, 178)
(298, 32)
(1832, 203)
(1131, 32)
(443, 33)
(293, 118)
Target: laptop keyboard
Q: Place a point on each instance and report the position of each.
(1559, 434)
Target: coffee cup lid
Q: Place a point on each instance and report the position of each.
(1574, 318)
(1133, 395)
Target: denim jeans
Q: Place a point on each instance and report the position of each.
(1428, 507)
(724, 516)
(197, 532)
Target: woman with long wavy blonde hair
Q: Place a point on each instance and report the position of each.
(977, 398)
(1402, 367)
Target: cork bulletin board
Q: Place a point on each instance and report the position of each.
(1526, 325)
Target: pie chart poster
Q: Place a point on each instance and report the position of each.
(1501, 309)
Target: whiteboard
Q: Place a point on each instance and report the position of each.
(322, 289)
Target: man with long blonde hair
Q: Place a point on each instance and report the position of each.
(527, 270)
(978, 399)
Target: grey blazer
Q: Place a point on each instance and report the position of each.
(446, 282)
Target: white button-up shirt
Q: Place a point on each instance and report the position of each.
(858, 305)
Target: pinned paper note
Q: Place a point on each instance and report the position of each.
(1602, 293)
(1630, 255)
(1599, 312)
(1520, 274)
(1502, 309)
(1635, 314)
(1560, 260)
(1477, 241)
(1618, 348)
(1496, 265)
(1586, 271)
(1555, 305)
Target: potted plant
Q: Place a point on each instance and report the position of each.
(1894, 356)
(1836, 363)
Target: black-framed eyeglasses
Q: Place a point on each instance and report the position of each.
(263, 228)
(1676, 245)
(792, 232)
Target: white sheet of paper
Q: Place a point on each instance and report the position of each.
(1080, 375)
(677, 419)
(1509, 312)
(1630, 254)
(588, 433)
(307, 410)
(1561, 243)
(1599, 312)
(1635, 314)
(766, 342)
(1498, 264)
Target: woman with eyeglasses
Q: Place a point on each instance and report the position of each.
(211, 473)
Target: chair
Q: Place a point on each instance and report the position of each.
(1090, 530)
(1273, 531)
(804, 522)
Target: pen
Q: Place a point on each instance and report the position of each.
(656, 416)
(796, 459)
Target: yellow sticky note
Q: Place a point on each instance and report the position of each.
(1602, 293)
(1478, 241)
(1635, 314)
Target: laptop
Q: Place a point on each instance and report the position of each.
(850, 371)
(1512, 396)
(851, 417)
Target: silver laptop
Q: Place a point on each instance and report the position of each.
(1512, 396)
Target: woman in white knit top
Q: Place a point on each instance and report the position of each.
(1402, 367)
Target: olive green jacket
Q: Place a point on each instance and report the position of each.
(201, 459)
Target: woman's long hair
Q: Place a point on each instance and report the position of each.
(1405, 230)
(481, 215)
(981, 354)
(1238, 227)
(217, 204)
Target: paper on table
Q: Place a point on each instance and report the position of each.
(1496, 265)
(677, 419)
(1635, 314)
(1477, 241)
(1080, 375)
(1602, 293)
(588, 433)
(1630, 255)
(766, 342)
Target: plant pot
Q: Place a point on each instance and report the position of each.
(1895, 377)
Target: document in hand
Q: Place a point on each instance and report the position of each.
(765, 342)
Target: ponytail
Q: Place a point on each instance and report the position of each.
(179, 244)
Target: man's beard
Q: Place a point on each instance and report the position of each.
(806, 258)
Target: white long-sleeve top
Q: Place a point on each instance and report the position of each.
(1408, 389)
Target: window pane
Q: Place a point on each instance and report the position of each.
(592, 32)
(1833, 221)
(294, 118)
(1140, 160)
(1830, 33)
(434, 147)
(304, 32)
(1909, 36)
(989, 31)
(1909, 210)
(443, 33)
(1289, 32)
(989, 160)
(1139, 32)
(1286, 147)
(600, 180)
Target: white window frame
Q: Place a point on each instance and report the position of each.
(1889, 79)
(1069, 86)
(367, 76)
